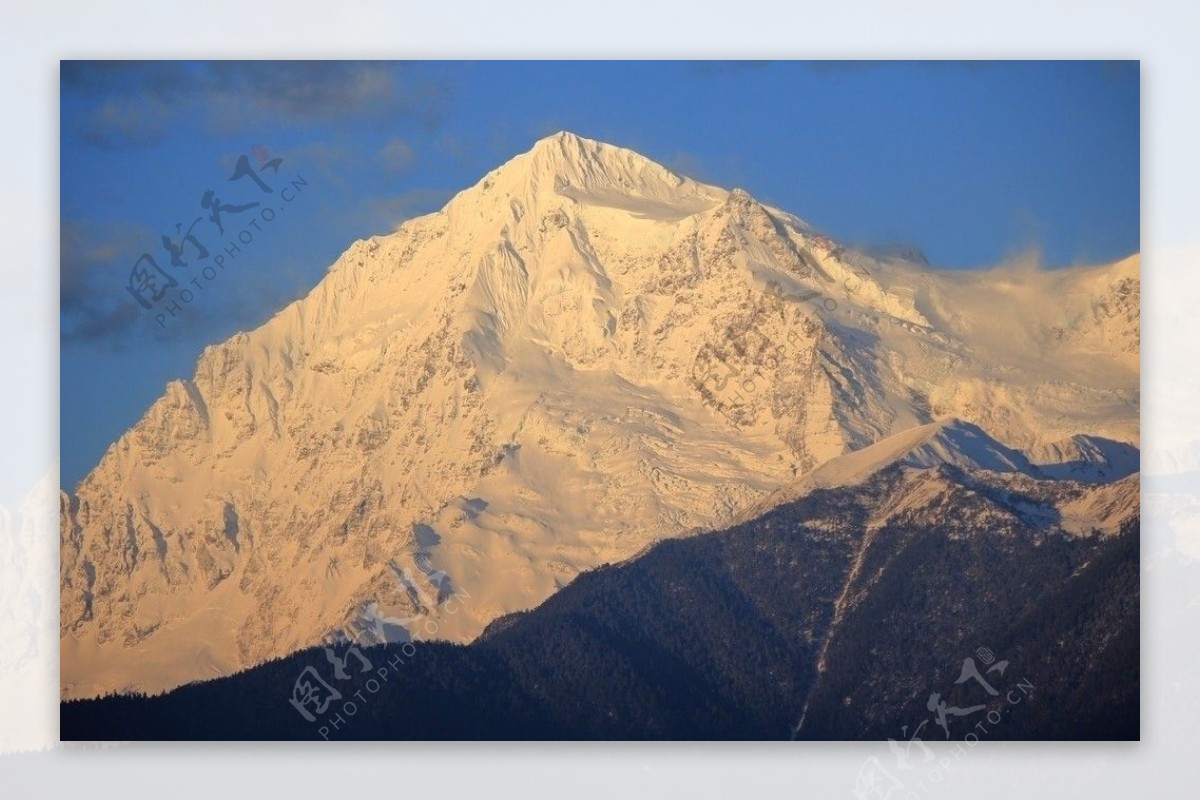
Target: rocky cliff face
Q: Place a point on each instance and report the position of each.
(578, 355)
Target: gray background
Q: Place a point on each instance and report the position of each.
(1161, 34)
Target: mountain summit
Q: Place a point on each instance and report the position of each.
(570, 162)
(580, 354)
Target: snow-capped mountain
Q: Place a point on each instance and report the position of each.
(581, 354)
(27, 617)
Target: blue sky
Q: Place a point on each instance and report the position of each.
(973, 162)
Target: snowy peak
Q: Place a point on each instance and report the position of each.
(573, 162)
(589, 172)
(1083, 459)
(1086, 458)
(1090, 488)
(568, 156)
(945, 442)
(962, 444)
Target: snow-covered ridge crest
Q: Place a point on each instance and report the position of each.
(964, 446)
(586, 171)
(951, 441)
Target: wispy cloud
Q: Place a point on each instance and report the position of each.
(95, 310)
(333, 162)
(125, 121)
(132, 103)
(94, 264)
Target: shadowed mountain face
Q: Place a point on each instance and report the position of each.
(923, 600)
